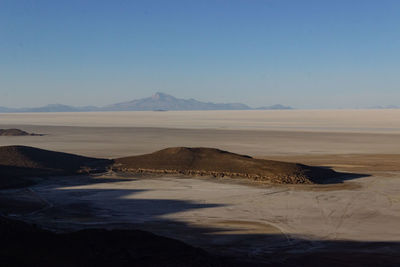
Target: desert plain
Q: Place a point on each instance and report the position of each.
(263, 223)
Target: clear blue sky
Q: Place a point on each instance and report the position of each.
(307, 54)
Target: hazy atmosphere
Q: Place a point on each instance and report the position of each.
(225, 133)
(305, 54)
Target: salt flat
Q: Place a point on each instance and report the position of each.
(257, 133)
(227, 215)
(112, 142)
(334, 213)
(371, 121)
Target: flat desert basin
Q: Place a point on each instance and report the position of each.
(229, 216)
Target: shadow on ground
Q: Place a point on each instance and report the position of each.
(69, 210)
(340, 177)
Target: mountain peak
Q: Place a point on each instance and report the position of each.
(158, 101)
(160, 95)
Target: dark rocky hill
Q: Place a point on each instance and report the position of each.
(16, 132)
(215, 162)
(18, 163)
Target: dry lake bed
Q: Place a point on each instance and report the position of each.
(224, 215)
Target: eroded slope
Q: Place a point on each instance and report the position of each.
(20, 162)
(16, 132)
(219, 163)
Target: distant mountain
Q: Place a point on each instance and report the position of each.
(49, 108)
(278, 106)
(157, 102)
(161, 101)
(385, 107)
(5, 110)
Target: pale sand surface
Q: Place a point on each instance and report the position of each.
(382, 121)
(369, 163)
(257, 133)
(113, 142)
(227, 215)
(373, 208)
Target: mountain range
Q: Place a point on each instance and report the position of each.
(157, 102)
(385, 107)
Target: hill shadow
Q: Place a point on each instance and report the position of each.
(335, 178)
(14, 177)
(82, 208)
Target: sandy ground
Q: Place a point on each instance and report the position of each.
(310, 120)
(111, 142)
(225, 215)
(329, 214)
(257, 133)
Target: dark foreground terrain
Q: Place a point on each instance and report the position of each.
(22, 244)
